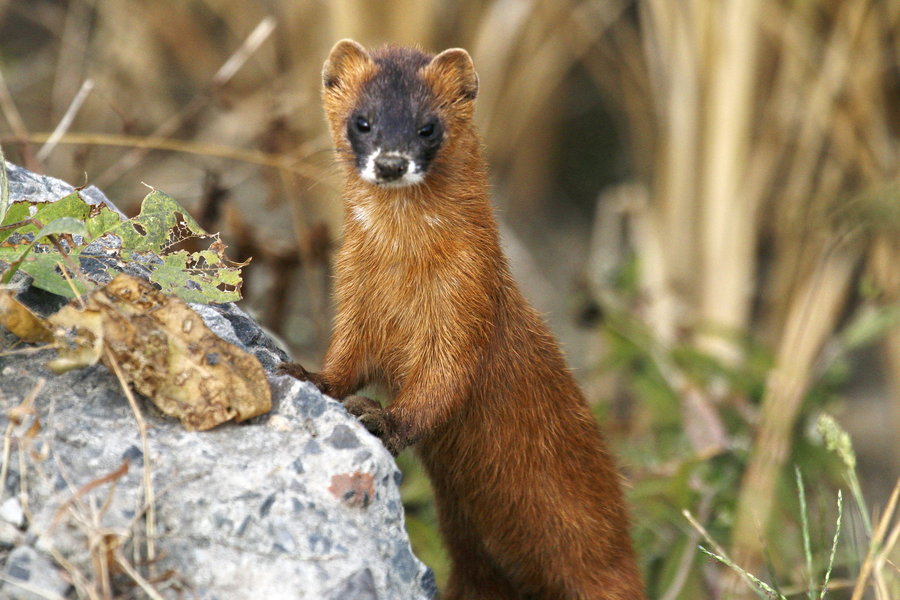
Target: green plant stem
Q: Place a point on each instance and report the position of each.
(856, 490)
(804, 521)
(837, 534)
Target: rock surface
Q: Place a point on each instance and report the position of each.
(299, 503)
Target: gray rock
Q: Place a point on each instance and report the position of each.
(299, 503)
(25, 185)
(29, 575)
(11, 512)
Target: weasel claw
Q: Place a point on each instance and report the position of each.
(373, 417)
(297, 371)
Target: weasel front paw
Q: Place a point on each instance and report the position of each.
(374, 418)
(297, 371)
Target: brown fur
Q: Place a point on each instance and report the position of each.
(529, 500)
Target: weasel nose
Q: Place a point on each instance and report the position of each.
(389, 168)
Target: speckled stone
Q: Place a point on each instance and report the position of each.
(242, 511)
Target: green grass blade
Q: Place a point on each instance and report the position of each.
(762, 589)
(837, 534)
(804, 521)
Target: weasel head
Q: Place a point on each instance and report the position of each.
(395, 113)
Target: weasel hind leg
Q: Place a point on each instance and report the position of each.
(477, 580)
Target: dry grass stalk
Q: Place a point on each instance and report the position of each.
(758, 109)
(102, 544)
(15, 417)
(878, 552)
(15, 122)
(40, 593)
(149, 499)
(297, 163)
(807, 328)
(883, 268)
(223, 75)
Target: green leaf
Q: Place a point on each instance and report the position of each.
(150, 238)
(71, 206)
(870, 325)
(62, 225)
(46, 269)
(102, 221)
(18, 211)
(43, 265)
(21, 251)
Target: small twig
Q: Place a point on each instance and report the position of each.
(882, 559)
(149, 501)
(66, 120)
(228, 69)
(687, 557)
(28, 350)
(4, 187)
(293, 163)
(97, 546)
(78, 579)
(23, 468)
(250, 45)
(131, 572)
(26, 404)
(72, 287)
(14, 118)
(16, 225)
(751, 579)
(114, 475)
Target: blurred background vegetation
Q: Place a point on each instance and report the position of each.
(702, 196)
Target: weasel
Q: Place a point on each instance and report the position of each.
(529, 501)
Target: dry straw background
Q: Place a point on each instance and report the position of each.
(702, 195)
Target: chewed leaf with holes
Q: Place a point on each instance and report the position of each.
(198, 276)
(102, 245)
(163, 226)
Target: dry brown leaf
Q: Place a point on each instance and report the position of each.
(23, 323)
(79, 338)
(165, 351)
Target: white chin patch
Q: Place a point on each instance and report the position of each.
(413, 176)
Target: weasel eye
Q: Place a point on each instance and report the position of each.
(362, 125)
(427, 130)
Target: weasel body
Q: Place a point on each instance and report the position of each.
(528, 497)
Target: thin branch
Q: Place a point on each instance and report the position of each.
(91, 485)
(228, 69)
(66, 120)
(14, 118)
(278, 161)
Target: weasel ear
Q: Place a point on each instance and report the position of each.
(343, 58)
(454, 67)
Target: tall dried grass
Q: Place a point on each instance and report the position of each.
(770, 122)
